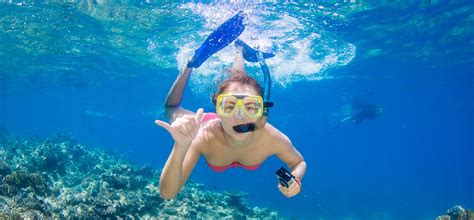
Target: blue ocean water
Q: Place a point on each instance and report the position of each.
(101, 70)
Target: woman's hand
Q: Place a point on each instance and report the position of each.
(184, 129)
(292, 190)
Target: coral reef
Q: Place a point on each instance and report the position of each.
(457, 212)
(61, 179)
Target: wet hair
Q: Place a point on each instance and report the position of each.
(241, 78)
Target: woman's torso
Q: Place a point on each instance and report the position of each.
(220, 155)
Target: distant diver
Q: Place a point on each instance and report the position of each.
(362, 112)
(238, 134)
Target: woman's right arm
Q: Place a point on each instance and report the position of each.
(184, 127)
(178, 168)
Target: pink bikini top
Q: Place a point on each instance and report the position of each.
(233, 165)
(207, 117)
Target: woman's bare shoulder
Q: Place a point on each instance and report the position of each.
(274, 133)
(276, 139)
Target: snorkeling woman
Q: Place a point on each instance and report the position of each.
(237, 135)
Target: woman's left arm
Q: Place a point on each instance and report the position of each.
(290, 155)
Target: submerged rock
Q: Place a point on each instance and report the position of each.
(237, 199)
(12, 184)
(4, 168)
(457, 212)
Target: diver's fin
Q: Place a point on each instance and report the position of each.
(250, 54)
(219, 38)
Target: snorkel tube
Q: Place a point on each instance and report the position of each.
(267, 82)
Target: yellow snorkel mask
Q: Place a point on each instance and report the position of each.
(227, 105)
(254, 107)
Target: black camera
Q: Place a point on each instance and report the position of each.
(285, 177)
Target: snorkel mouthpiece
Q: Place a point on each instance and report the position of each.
(249, 127)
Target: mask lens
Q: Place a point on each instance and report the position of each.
(225, 105)
(229, 104)
(252, 106)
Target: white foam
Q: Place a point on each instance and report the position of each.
(269, 30)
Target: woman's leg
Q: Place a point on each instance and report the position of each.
(238, 65)
(175, 95)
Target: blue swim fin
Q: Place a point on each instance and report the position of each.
(220, 38)
(250, 54)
